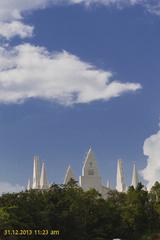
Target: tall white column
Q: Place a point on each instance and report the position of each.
(43, 179)
(135, 179)
(121, 187)
(108, 184)
(29, 185)
(36, 175)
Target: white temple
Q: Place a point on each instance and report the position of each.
(90, 178)
(39, 181)
(135, 179)
(121, 187)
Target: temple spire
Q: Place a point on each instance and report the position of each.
(29, 185)
(36, 178)
(90, 165)
(108, 184)
(90, 175)
(135, 179)
(69, 175)
(121, 187)
(43, 178)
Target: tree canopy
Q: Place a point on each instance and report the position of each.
(80, 215)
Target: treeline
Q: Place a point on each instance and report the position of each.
(80, 215)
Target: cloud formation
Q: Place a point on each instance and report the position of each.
(28, 71)
(6, 187)
(11, 17)
(150, 6)
(110, 2)
(15, 28)
(151, 149)
(12, 12)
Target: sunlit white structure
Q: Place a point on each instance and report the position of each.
(43, 178)
(29, 185)
(69, 175)
(90, 175)
(36, 175)
(90, 178)
(135, 179)
(120, 185)
(39, 181)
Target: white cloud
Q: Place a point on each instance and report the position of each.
(109, 2)
(153, 7)
(151, 149)
(28, 71)
(15, 28)
(13, 10)
(150, 6)
(6, 187)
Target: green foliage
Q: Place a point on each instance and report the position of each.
(84, 215)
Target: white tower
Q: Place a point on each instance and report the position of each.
(135, 179)
(69, 175)
(43, 178)
(90, 176)
(108, 184)
(121, 187)
(36, 178)
(29, 185)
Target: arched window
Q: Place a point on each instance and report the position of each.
(90, 164)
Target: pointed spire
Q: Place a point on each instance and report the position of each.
(108, 184)
(36, 177)
(29, 185)
(69, 175)
(134, 177)
(43, 179)
(121, 187)
(90, 175)
(90, 165)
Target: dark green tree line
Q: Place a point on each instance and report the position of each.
(80, 215)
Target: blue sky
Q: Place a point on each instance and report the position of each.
(75, 47)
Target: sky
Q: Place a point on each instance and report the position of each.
(75, 74)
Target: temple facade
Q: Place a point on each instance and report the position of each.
(90, 178)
